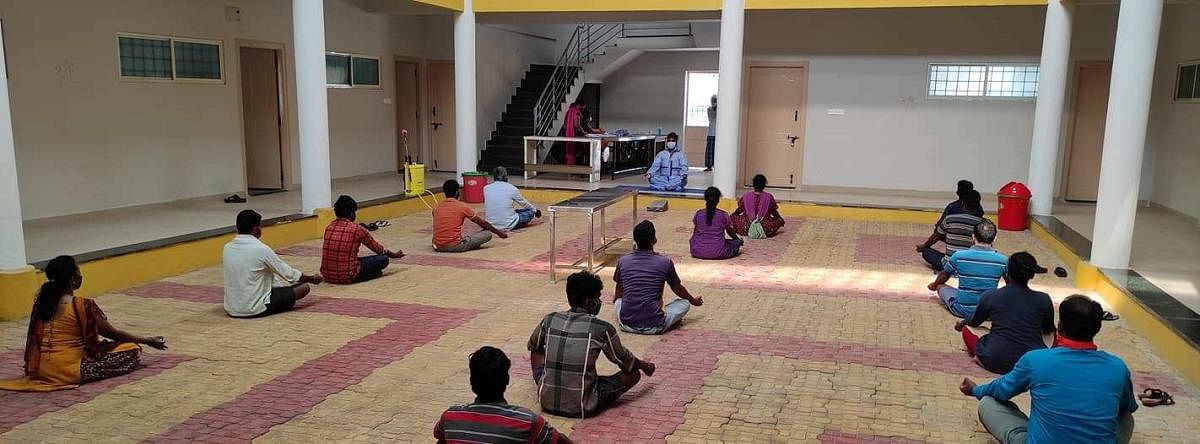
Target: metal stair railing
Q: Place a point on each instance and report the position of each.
(585, 43)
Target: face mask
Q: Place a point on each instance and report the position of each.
(671, 145)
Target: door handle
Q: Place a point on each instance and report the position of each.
(436, 125)
(792, 140)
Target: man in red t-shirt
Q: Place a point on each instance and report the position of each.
(448, 218)
(340, 263)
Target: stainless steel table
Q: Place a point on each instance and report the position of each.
(589, 204)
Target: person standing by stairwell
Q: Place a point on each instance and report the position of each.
(712, 135)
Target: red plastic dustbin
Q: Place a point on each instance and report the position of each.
(473, 184)
(1014, 207)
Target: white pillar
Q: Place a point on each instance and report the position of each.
(466, 152)
(1125, 131)
(312, 104)
(1047, 115)
(729, 97)
(12, 234)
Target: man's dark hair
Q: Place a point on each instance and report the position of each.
(345, 207)
(489, 372)
(985, 232)
(971, 202)
(450, 189)
(582, 287)
(643, 235)
(247, 220)
(1022, 267)
(672, 136)
(1079, 317)
(963, 187)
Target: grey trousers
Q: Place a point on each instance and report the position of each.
(470, 242)
(1007, 423)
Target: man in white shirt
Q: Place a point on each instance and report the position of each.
(251, 269)
(506, 208)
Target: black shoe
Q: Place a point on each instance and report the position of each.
(235, 199)
(708, 169)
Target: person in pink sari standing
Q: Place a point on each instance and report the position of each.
(571, 128)
(757, 205)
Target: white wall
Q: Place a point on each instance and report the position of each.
(502, 57)
(1175, 127)
(88, 141)
(648, 93)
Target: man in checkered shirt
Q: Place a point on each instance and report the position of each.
(340, 263)
(563, 352)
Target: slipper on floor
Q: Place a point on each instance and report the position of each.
(1110, 316)
(376, 225)
(233, 198)
(1153, 397)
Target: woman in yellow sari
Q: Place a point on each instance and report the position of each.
(66, 346)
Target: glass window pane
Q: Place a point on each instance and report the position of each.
(366, 71)
(145, 57)
(1187, 82)
(337, 69)
(197, 60)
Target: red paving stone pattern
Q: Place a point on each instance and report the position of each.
(17, 408)
(278, 401)
(888, 249)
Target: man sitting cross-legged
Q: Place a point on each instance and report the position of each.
(563, 351)
(640, 277)
(953, 229)
(491, 419)
(340, 263)
(1020, 317)
(448, 219)
(506, 208)
(978, 269)
(250, 268)
(1078, 393)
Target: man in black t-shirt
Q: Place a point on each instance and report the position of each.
(1020, 318)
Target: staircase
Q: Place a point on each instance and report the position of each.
(539, 105)
(505, 148)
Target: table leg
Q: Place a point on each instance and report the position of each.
(591, 251)
(603, 232)
(553, 277)
(635, 208)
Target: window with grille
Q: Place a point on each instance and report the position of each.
(144, 57)
(1187, 83)
(983, 80)
(351, 71)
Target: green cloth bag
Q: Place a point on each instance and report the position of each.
(756, 230)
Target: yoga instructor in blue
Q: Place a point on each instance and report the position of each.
(670, 168)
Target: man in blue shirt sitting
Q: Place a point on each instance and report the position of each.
(1078, 394)
(978, 269)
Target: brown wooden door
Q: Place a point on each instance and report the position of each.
(261, 118)
(441, 116)
(408, 112)
(775, 124)
(1087, 132)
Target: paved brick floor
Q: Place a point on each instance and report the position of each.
(823, 334)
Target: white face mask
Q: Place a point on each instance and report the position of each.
(671, 145)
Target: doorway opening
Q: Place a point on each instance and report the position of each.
(408, 113)
(699, 89)
(262, 119)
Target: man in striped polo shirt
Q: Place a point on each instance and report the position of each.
(490, 419)
(978, 269)
(954, 229)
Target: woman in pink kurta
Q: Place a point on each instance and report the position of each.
(757, 205)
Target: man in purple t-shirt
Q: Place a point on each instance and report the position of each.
(640, 277)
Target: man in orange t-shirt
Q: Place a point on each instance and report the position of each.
(448, 218)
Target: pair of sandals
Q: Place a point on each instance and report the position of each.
(1153, 397)
(372, 226)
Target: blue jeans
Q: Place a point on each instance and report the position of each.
(673, 313)
(371, 267)
(524, 217)
(949, 297)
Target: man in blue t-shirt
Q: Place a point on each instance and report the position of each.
(1078, 393)
(978, 269)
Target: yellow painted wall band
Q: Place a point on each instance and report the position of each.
(715, 5)
(454, 5)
